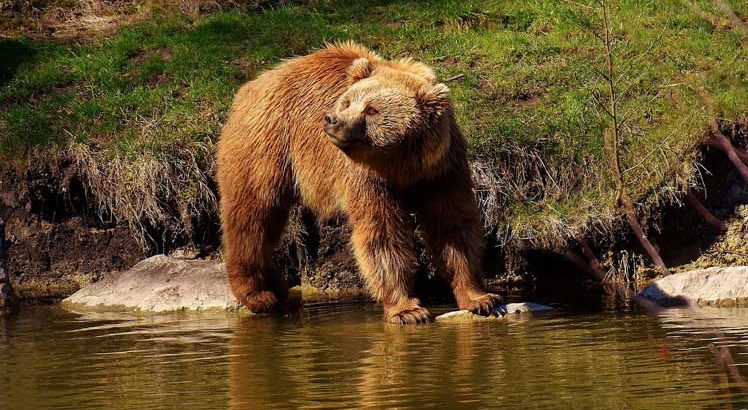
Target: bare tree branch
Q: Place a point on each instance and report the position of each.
(612, 141)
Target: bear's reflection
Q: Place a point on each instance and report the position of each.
(349, 363)
(353, 360)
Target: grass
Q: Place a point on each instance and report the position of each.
(139, 110)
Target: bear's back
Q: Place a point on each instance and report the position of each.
(292, 98)
(300, 87)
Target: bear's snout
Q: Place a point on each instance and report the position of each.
(343, 133)
(329, 120)
(331, 125)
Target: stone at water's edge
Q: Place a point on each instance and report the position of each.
(160, 284)
(713, 286)
(504, 312)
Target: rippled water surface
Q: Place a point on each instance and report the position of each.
(342, 356)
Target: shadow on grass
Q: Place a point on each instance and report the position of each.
(12, 55)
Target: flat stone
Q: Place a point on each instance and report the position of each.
(510, 311)
(708, 287)
(160, 284)
(163, 284)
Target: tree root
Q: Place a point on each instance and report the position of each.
(649, 247)
(722, 143)
(709, 218)
(594, 264)
(742, 154)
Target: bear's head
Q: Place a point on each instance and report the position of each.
(391, 111)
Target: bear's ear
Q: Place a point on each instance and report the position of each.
(434, 99)
(359, 69)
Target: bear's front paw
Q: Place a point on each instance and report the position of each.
(485, 305)
(261, 302)
(410, 316)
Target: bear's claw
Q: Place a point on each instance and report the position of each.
(261, 302)
(486, 305)
(411, 317)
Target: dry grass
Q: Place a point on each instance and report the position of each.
(171, 194)
(517, 176)
(83, 19)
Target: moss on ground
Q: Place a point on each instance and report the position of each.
(139, 110)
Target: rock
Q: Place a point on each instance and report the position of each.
(160, 284)
(165, 283)
(504, 312)
(713, 286)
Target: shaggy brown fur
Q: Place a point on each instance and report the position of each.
(342, 130)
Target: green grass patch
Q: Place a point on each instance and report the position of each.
(528, 90)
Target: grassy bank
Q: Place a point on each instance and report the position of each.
(137, 109)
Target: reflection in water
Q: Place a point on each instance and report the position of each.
(343, 356)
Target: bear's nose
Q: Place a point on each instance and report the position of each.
(330, 120)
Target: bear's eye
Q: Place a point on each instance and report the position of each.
(346, 103)
(371, 111)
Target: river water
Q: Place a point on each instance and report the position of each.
(341, 355)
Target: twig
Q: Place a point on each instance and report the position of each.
(659, 145)
(454, 77)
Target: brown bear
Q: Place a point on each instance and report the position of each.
(345, 131)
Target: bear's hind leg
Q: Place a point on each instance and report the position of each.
(254, 279)
(252, 227)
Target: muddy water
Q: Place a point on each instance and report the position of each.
(342, 356)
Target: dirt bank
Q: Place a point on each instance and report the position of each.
(61, 238)
(56, 242)
(60, 241)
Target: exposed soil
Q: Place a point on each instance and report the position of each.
(59, 243)
(320, 257)
(330, 266)
(56, 244)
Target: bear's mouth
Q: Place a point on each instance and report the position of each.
(344, 134)
(344, 145)
(342, 140)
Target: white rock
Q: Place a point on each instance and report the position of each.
(508, 311)
(161, 284)
(705, 286)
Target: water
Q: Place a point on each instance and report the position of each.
(340, 355)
